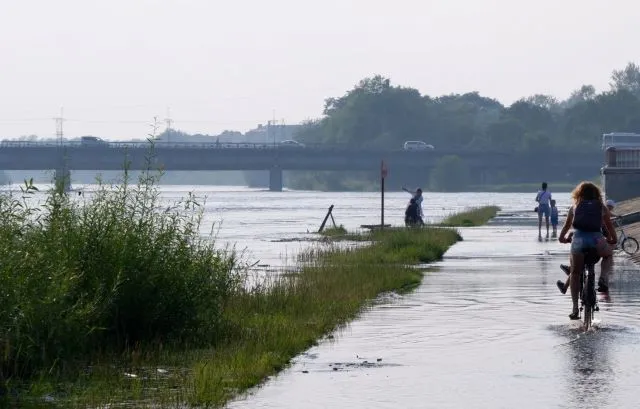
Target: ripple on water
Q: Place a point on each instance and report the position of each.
(486, 329)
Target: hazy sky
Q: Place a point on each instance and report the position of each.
(114, 65)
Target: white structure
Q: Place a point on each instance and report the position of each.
(620, 140)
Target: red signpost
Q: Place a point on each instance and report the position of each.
(383, 175)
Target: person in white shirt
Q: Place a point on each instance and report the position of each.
(544, 208)
(417, 195)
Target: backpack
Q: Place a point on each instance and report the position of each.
(587, 216)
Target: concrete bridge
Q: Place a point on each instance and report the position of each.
(65, 157)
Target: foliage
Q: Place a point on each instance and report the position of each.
(473, 217)
(450, 174)
(107, 274)
(271, 322)
(376, 113)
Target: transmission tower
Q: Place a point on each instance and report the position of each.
(60, 126)
(168, 121)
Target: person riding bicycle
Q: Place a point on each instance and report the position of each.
(586, 216)
(606, 265)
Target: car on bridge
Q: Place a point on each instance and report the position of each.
(290, 143)
(92, 141)
(417, 146)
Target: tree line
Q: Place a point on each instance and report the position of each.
(376, 113)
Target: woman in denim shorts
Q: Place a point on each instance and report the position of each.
(586, 216)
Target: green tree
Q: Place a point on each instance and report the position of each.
(627, 79)
(547, 102)
(451, 174)
(582, 94)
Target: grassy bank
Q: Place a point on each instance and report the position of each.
(266, 326)
(238, 336)
(473, 217)
(84, 280)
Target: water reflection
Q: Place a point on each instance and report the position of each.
(487, 329)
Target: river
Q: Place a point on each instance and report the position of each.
(487, 328)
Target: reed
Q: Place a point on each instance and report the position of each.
(140, 311)
(103, 276)
(473, 217)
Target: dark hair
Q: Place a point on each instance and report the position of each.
(544, 185)
(412, 201)
(419, 190)
(553, 202)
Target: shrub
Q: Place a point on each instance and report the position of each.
(118, 270)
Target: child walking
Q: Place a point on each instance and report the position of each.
(554, 218)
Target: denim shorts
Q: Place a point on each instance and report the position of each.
(544, 209)
(584, 240)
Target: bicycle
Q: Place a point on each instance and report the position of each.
(587, 293)
(626, 243)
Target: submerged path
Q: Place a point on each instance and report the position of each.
(486, 329)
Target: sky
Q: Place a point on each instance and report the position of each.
(210, 65)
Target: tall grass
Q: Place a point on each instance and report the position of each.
(120, 283)
(112, 273)
(473, 217)
(270, 325)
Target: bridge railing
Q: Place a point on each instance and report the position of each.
(618, 157)
(181, 145)
(197, 145)
(321, 148)
(158, 144)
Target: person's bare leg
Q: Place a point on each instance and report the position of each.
(546, 219)
(606, 265)
(539, 224)
(577, 264)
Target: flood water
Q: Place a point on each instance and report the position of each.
(487, 328)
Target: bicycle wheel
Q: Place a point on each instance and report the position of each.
(629, 245)
(589, 297)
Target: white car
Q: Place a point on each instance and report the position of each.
(417, 146)
(292, 143)
(92, 141)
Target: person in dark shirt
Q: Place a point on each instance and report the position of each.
(606, 265)
(412, 214)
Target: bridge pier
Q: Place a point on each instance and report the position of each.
(62, 178)
(275, 179)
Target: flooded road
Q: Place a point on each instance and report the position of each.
(487, 329)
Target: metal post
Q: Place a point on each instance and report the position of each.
(382, 202)
(383, 174)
